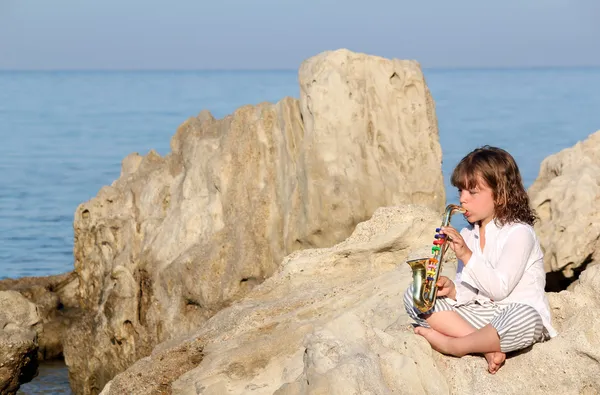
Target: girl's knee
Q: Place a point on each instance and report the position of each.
(524, 314)
(518, 326)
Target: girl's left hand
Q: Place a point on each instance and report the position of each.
(457, 243)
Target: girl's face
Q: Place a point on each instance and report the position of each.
(479, 203)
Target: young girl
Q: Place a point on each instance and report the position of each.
(497, 302)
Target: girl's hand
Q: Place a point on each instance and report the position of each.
(446, 287)
(457, 243)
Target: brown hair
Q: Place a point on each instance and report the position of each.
(499, 170)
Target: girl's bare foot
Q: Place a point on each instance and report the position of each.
(495, 361)
(438, 341)
(446, 345)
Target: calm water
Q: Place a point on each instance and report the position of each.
(63, 136)
(52, 379)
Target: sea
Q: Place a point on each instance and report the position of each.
(63, 135)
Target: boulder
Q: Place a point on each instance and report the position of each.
(57, 306)
(566, 197)
(178, 238)
(19, 321)
(332, 321)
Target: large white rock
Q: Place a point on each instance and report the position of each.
(176, 239)
(318, 319)
(566, 196)
(332, 321)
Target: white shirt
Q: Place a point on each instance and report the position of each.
(510, 269)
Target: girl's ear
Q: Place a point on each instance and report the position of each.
(500, 198)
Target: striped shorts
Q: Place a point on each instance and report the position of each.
(518, 325)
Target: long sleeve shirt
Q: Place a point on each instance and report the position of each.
(509, 269)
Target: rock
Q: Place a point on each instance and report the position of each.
(566, 196)
(18, 341)
(263, 341)
(332, 321)
(178, 238)
(57, 306)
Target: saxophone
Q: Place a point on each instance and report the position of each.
(426, 271)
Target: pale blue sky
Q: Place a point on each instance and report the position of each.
(274, 34)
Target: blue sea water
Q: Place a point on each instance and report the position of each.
(63, 136)
(52, 379)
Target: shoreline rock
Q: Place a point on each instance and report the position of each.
(19, 327)
(54, 297)
(566, 196)
(56, 309)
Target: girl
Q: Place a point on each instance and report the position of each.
(497, 302)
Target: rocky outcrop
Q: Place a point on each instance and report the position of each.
(566, 196)
(178, 238)
(19, 321)
(57, 306)
(332, 321)
(260, 343)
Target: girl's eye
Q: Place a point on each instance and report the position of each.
(472, 191)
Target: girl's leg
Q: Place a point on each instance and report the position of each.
(484, 340)
(449, 323)
(516, 327)
(453, 324)
(446, 320)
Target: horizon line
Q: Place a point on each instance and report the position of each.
(431, 68)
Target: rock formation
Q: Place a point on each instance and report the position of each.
(566, 196)
(54, 298)
(332, 321)
(19, 321)
(178, 238)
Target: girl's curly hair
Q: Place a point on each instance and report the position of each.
(499, 170)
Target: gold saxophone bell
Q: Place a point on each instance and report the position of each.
(426, 271)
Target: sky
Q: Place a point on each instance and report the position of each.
(280, 34)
